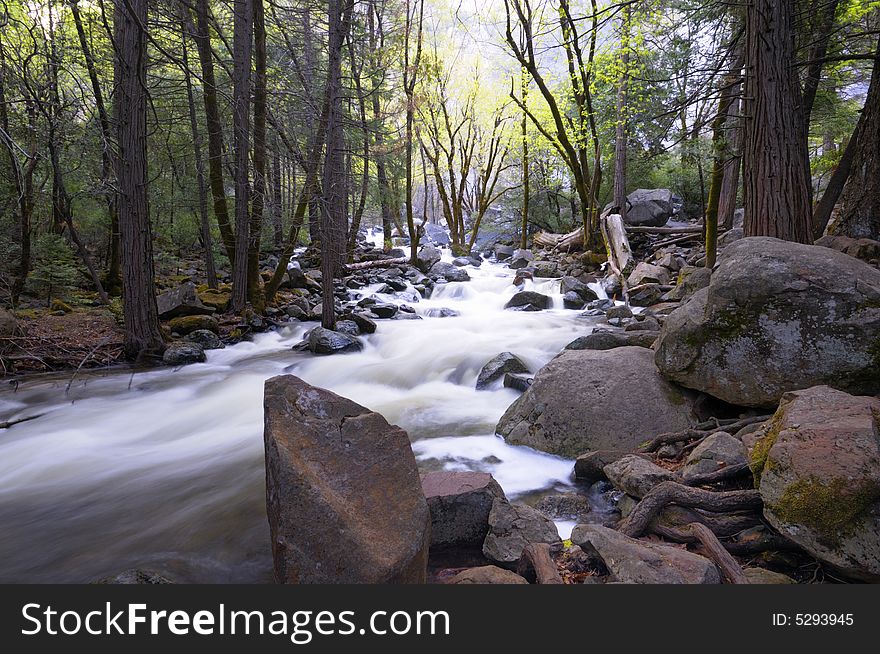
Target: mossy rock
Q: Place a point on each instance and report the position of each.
(60, 305)
(215, 299)
(818, 466)
(187, 324)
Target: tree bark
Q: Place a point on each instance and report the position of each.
(242, 39)
(859, 215)
(142, 333)
(258, 198)
(775, 159)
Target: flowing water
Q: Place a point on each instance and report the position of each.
(163, 469)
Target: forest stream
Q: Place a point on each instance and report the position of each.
(163, 469)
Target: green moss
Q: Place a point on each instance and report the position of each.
(830, 509)
(60, 305)
(760, 452)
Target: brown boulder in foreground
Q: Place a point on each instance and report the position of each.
(343, 494)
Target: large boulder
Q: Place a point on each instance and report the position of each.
(596, 400)
(717, 451)
(777, 316)
(636, 475)
(181, 301)
(649, 207)
(184, 325)
(427, 257)
(632, 561)
(443, 270)
(343, 493)
(459, 503)
(497, 367)
(511, 528)
(327, 341)
(180, 353)
(818, 465)
(646, 273)
(529, 301)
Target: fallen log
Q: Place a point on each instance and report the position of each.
(729, 567)
(670, 492)
(378, 263)
(689, 229)
(536, 565)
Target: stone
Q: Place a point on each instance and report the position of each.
(497, 367)
(590, 467)
(765, 576)
(777, 316)
(565, 506)
(649, 207)
(866, 249)
(572, 300)
(443, 270)
(215, 299)
(366, 325)
(327, 341)
(620, 311)
(343, 492)
(571, 284)
(459, 503)
(545, 269)
(427, 257)
(596, 400)
(181, 301)
(441, 312)
(184, 325)
(180, 353)
(690, 280)
(9, 325)
(632, 561)
(730, 236)
(518, 382)
(598, 340)
(644, 295)
(817, 465)
(647, 324)
(646, 273)
(384, 310)
(348, 327)
(636, 475)
(717, 451)
(503, 252)
(136, 576)
(207, 339)
(511, 528)
(529, 298)
(487, 574)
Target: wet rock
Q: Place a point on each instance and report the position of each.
(348, 327)
(817, 464)
(564, 506)
(208, 340)
(503, 252)
(529, 298)
(632, 561)
(572, 300)
(459, 503)
(571, 284)
(590, 467)
(618, 313)
(364, 324)
(136, 577)
(645, 273)
(511, 528)
(648, 324)
(181, 301)
(717, 451)
(545, 269)
(690, 280)
(441, 312)
(487, 574)
(645, 295)
(520, 259)
(518, 382)
(343, 492)
(584, 400)
(777, 316)
(384, 310)
(427, 257)
(496, 368)
(184, 325)
(636, 475)
(649, 207)
(327, 341)
(180, 353)
(449, 272)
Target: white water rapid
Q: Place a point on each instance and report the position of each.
(163, 469)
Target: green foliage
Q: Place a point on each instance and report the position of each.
(55, 271)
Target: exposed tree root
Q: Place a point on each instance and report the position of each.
(536, 564)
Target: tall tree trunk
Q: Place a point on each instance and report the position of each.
(334, 187)
(524, 130)
(214, 128)
(242, 49)
(204, 224)
(255, 291)
(821, 35)
(409, 80)
(732, 163)
(825, 206)
(277, 202)
(142, 333)
(859, 215)
(113, 278)
(775, 158)
(377, 41)
(620, 140)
